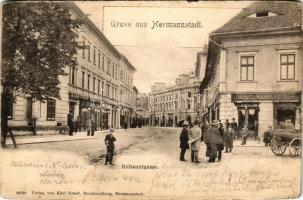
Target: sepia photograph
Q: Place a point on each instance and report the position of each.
(166, 100)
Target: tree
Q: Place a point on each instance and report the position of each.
(39, 39)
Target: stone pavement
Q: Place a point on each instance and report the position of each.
(30, 139)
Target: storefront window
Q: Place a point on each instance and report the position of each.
(286, 117)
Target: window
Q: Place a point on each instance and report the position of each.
(107, 90)
(176, 105)
(102, 89)
(83, 79)
(88, 53)
(247, 68)
(108, 67)
(94, 57)
(113, 71)
(88, 81)
(83, 50)
(287, 66)
(113, 92)
(262, 14)
(99, 60)
(103, 62)
(72, 75)
(51, 110)
(94, 83)
(98, 86)
(189, 94)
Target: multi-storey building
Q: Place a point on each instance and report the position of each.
(142, 110)
(173, 104)
(100, 87)
(254, 68)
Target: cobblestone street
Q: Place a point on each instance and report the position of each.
(249, 168)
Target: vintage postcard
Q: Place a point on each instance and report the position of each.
(151, 100)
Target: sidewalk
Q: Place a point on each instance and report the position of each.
(33, 139)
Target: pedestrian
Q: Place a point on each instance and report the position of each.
(184, 140)
(195, 141)
(110, 147)
(70, 123)
(211, 138)
(244, 133)
(88, 126)
(93, 126)
(77, 124)
(219, 139)
(235, 127)
(267, 136)
(228, 139)
(227, 124)
(125, 125)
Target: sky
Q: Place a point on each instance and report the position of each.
(159, 53)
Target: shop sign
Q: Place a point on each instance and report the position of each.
(281, 96)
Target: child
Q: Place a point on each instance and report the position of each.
(267, 136)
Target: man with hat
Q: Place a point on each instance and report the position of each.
(184, 140)
(195, 141)
(110, 146)
(212, 139)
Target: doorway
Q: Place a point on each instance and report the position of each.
(249, 117)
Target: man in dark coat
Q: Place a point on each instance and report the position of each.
(228, 139)
(184, 141)
(235, 127)
(220, 144)
(70, 123)
(110, 146)
(209, 140)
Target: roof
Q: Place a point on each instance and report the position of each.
(128, 63)
(91, 25)
(282, 14)
(99, 33)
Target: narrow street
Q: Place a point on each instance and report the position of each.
(148, 165)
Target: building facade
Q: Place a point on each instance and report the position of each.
(171, 105)
(100, 87)
(254, 68)
(142, 109)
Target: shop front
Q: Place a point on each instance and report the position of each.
(257, 111)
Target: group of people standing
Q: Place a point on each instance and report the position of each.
(74, 126)
(215, 135)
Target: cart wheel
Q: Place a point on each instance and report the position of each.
(277, 147)
(295, 147)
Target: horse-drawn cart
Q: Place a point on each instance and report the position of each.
(286, 138)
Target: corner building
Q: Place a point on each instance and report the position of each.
(254, 68)
(100, 86)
